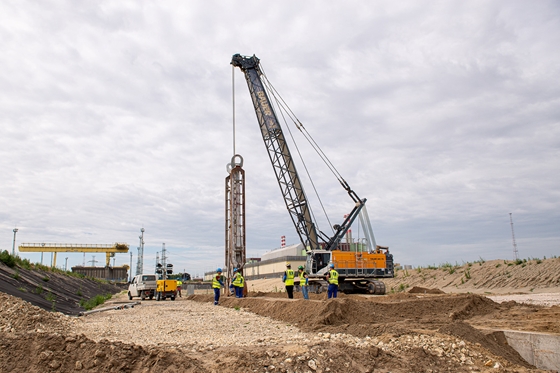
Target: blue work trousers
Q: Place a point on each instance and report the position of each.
(238, 291)
(216, 296)
(305, 292)
(333, 291)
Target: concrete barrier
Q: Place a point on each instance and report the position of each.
(538, 349)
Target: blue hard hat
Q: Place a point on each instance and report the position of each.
(219, 270)
(331, 265)
(235, 270)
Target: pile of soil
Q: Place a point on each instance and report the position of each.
(420, 290)
(404, 313)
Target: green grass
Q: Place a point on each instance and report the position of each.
(95, 301)
(50, 297)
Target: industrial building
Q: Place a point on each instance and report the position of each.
(271, 264)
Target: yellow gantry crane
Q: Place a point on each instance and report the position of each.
(108, 249)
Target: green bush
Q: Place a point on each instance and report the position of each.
(23, 263)
(7, 259)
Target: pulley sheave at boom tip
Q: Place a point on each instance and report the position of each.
(245, 62)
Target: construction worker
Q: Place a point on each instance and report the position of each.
(238, 282)
(303, 282)
(332, 278)
(179, 284)
(217, 285)
(288, 280)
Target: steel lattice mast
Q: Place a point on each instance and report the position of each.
(515, 252)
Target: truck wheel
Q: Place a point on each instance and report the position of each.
(158, 297)
(129, 296)
(142, 295)
(172, 298)
(151, 297)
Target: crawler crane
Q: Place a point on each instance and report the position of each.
(358, 270)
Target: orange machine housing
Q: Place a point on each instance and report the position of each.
(346, 260)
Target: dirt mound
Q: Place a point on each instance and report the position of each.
(397, 315)
(420, 290)
(494, 342)
(41, 352)
(366, 316)
(16, 314)
(482, 276)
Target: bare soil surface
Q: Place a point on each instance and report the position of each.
(425, 329)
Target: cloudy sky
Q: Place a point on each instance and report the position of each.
(118, 115)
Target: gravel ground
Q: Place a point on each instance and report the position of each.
(194, 325)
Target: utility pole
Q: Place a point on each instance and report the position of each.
(130, 269)
(515, 252)
(66, 265)
(14, 244)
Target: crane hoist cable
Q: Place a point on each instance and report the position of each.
(284, 109)
(302, 129)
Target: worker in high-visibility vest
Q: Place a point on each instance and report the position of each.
(288, 279)
(238, 283)
(179, 284)
(303, 282)
(217, 285)
(332, 278)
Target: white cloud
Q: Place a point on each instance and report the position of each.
(443, 115)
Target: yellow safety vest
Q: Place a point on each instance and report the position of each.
(215, 283)
(179, 283)
(289, 277)
(238, 281)
(302, 279)
(333, 277)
